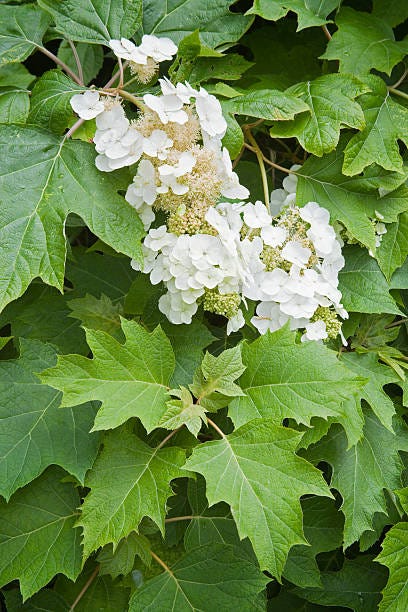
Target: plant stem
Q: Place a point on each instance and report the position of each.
(401, 79)
(115, 76)
(271, 163)
(217, 429)
(74, 127)
(398, 92)
(77, 60)
(85, 588)
(160, 562)
(396, 323)
(326, 32)
(63, 65)
(132, 99)
(174, 519)
(167, 438)
(260, 158)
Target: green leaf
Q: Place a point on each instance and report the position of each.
(120, 561)
(378, 375)
(394, 556)
(129, 480)
(102, 593)
(41, 314)
(331, 99)
(95, 21)
(15, 75)
(267, 104)
(90, 56)
(230, 67)
(22, 30)
(353, 201)
(316, 385)
(34, 431)
(392, 12)
(50, 101)
(205, 579)
(363, 285)
(137, 372)
(393, 249)
(356, 586)
(183, 411)
(96, 313)
(234, 138)
(218, 25)
(37, 537)
(43, 601)
(310, 12)
(386, 124)
(363, 42)
(65, 172)
(214, 384)
(362, 472)
(14, 105)
(240, 469)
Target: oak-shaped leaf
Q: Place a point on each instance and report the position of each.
(34, 431)
(213, 384)
(331, 99)
(351, 200)
(206, 578)
(95, 21)
(22, 31)
(362, 473)
(37, 538)
(386, 123)
(363, 42)
(256, 471)
(285, 379)
(183, 411)
(38, 168)
(309, 13)
(130, 379)
(394, 556)
(129, 480)
(119, 560)
(393, 250)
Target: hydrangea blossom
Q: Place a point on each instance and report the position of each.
(87, 105)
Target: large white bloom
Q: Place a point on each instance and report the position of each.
(87, 105)
(127, 50)
(160, 49)
(209, 112)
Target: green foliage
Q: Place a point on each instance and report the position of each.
(148, 465)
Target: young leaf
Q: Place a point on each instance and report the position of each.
(218, 25)
(129, 480)
(284, 379)
(65, 172)
(352, 201)
(214, 385)
(22, 30)
(50, 101)
(183, 411)
(363, 285)
(34, 431)
(363, 42)
(37, 538)
(356, 586)
(386, 123)
(95, 21)
(14, 105)
(206, 578)
(256, 471)
(129, 379)
(362, 472)
(96, 313)
(331, 99)
(309, 14)
(377, 376)
(120, 561)
(394, 556)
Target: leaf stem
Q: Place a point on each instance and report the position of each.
(162, 563)
(167, 438)
(271, 163)
(260, 158)
(174, 519)
(396, 323)
(217, 429)
(77, 61)
(74, 128)
(131, 98)
(85, 588)
(115, 76)
(398, 92)
(326, 32)
(63, 65)
(401, 79)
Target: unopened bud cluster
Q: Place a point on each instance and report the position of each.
(209, 252)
